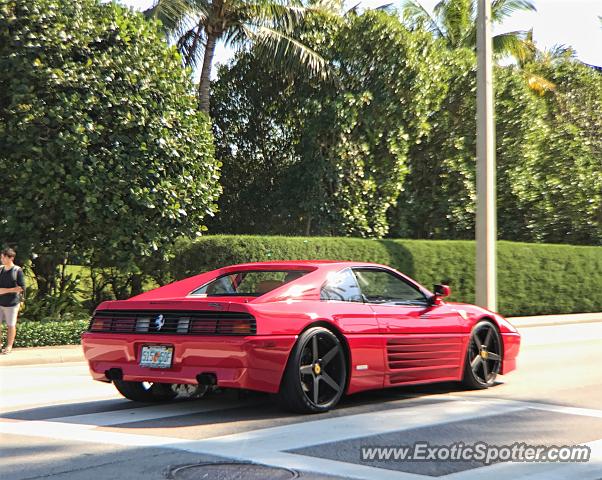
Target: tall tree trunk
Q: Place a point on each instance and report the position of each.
(205, 81)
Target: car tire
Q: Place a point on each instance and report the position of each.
(483, 359)
(316, 373)
(145, 392)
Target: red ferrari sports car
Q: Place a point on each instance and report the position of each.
(310, 331)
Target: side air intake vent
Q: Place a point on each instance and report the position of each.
(411, 357)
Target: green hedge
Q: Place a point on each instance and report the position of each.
(42, 334)
(533, 279)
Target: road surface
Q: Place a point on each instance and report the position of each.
(56, 423)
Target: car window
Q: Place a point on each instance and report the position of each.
(248, 283)
(381, 286)
(341, 286)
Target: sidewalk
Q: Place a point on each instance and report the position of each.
(74, 353)
(551, 320)
(41, 355)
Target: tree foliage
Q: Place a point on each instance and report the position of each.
(567, 173)
(105, 155)
(327, 155)
(439, 195)
(390, 149)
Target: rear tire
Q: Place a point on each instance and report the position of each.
(145, 392)
(316, 373)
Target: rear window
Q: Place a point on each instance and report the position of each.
(252, 283)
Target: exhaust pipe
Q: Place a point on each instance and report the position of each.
(114, 374)
(208, 379)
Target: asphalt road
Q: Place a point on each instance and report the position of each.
(56, 423)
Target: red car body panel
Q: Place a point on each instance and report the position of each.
(387, 345)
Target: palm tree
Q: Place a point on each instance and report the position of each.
(198, 25)
(455, 22)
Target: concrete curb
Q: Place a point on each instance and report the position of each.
(74, 353)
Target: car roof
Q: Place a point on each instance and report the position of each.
(298, 264)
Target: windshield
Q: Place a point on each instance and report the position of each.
(252, 283)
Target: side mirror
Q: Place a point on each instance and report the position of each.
(441, 291)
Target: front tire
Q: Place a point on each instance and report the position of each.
(145, 392)
(316, 373)
(483, 356)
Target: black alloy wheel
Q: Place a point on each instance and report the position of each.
(316, 374)
(483, 357)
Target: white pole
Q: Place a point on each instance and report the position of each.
(486, 288)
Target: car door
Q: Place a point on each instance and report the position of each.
(423, 342)
(341, 297)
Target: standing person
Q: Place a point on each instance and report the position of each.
(12, 284)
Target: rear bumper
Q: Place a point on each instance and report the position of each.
(511, 342)
(253, 362)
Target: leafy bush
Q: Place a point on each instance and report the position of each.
(109, 158)
(42, 334)
(53, 308)
(64, 304)
(533, 278)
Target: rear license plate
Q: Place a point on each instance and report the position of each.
(156, 356)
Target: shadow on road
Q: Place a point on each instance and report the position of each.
(231, 406)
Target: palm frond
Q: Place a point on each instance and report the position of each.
(513, 44)
(414, 14)
(236, 36)
(354, 10)
(191, 45)
(386, 7)
(560, 50)
(527, 54)
(265, 12)
(456, 18)
(289, 52)
(170, 12)
(502, 9)
(201, 7)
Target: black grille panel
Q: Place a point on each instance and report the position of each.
(173, 322)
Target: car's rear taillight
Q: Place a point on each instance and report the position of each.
(242, 326)
(97, 325)
(237, 327)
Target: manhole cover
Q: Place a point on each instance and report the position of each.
(231, 471)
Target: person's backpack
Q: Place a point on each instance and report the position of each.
(15, 273)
